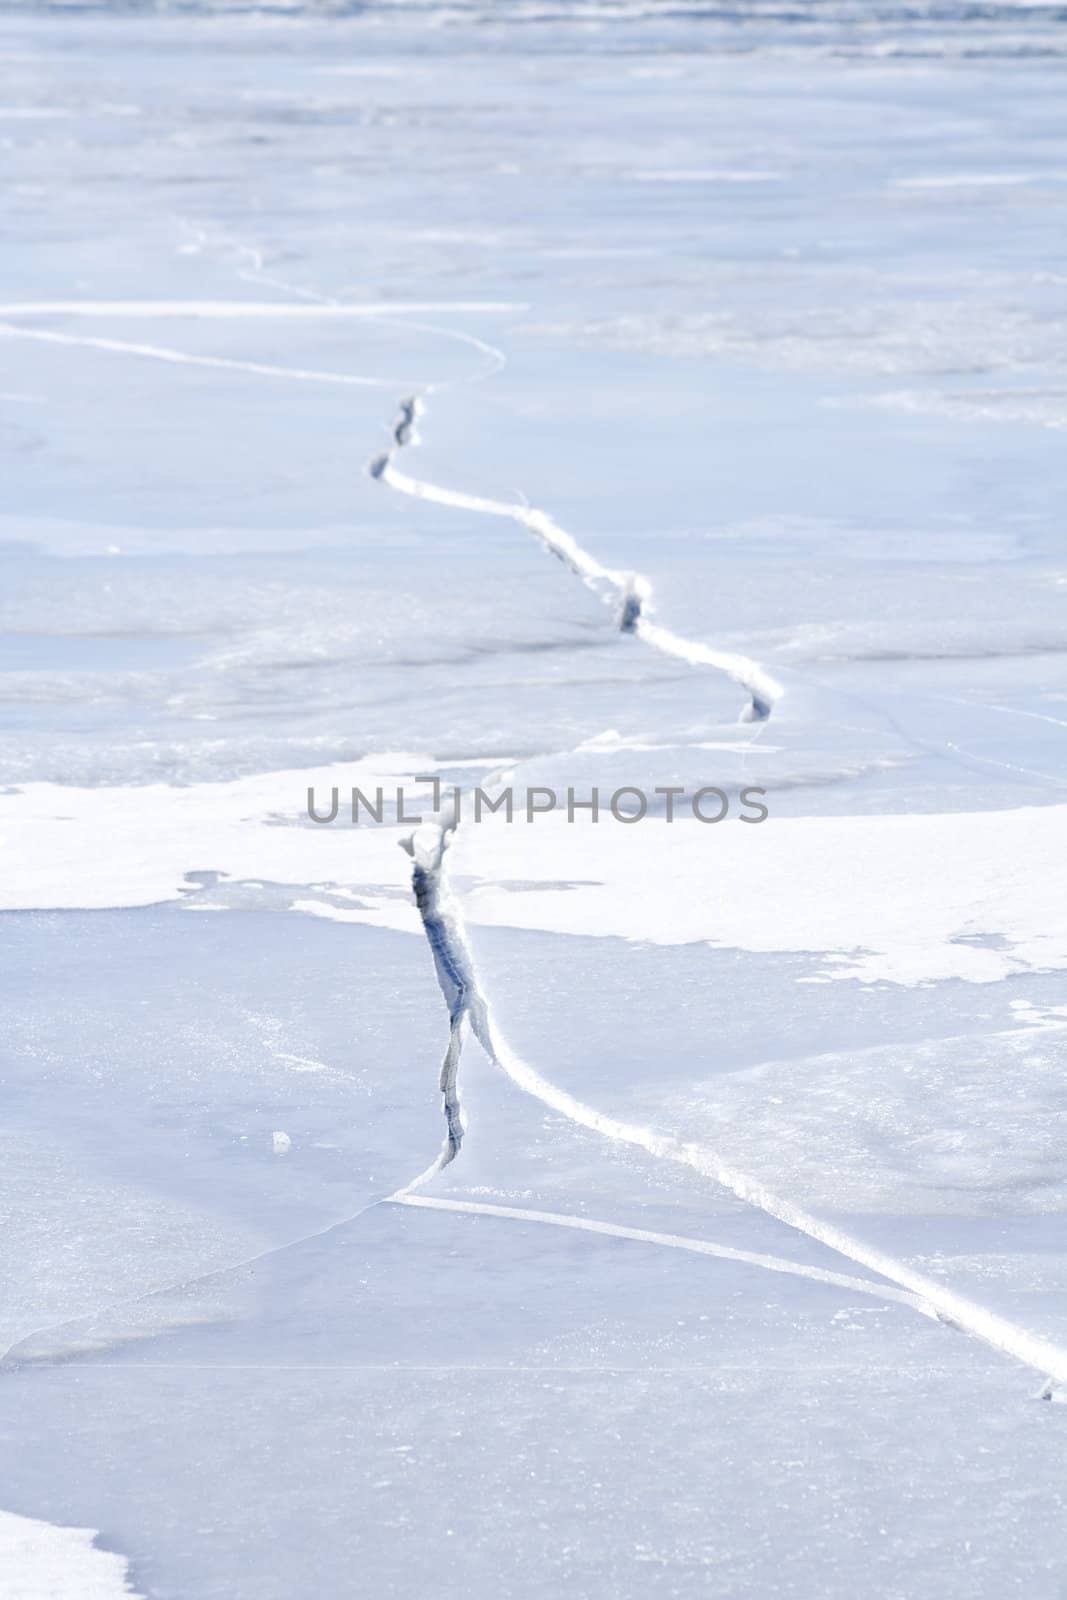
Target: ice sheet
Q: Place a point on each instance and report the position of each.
(748, 1268)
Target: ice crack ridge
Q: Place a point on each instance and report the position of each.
(629, 593)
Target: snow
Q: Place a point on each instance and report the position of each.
(907, 900)
(42, 1562)
(979, 897)
(138, 846)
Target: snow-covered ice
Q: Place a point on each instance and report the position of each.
(540, 394)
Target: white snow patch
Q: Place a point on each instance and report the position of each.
(978, 896)
(965, 180)
(89, 848)
(40, 1561)
(1042, 408)
(902, 899)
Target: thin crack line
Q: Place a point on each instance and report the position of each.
(673, 1241)
(156, 352)
(227, 309)
(8, 1359)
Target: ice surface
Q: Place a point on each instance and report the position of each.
(764, 303)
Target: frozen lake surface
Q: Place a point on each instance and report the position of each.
(534, 395)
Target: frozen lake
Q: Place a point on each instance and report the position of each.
(534, 397)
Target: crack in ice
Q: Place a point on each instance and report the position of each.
(671, 1241)
(468, 1004)
(630, 593)
(183, 358)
